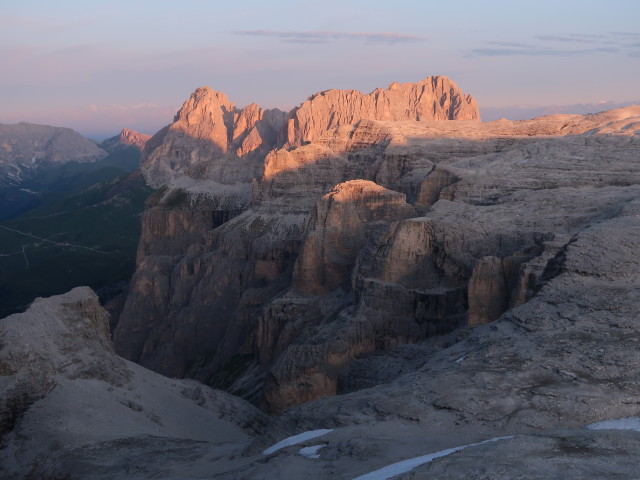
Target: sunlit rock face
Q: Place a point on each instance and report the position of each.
(272, 271)
(213, 163)
(338, 228)
(432, 99)
(126, 138)
(212, 149)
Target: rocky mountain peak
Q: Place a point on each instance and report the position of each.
(131, 137)
(126, 138)
(224, 132)
(28, 144)
(432, 99)
(204, 106)
(211, 129)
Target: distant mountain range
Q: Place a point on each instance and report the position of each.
(524, 112)
(69, 211)
(40, 163)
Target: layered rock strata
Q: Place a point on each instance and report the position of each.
(212, 140)
(211, 175)
(373, 235)
(338, 229)
(434, 98)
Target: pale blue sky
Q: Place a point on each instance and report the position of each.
(100, 66)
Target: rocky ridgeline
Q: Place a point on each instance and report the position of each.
(272, 272)
(214, 162)
(36, 160)
(434, 98)
(126, 138)
(24, 147)
(212, 141)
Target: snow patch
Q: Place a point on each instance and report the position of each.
(294, 440)
(404, 466)
(311, 452)
(629, 423)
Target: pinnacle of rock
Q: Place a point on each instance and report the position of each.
(131, 137)
(208, 132)
(126, 138)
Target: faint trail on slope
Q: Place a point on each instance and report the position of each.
(42, 240)
(47, 239)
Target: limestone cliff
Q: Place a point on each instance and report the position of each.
(126, 138)
(213, 162)
(338, 229)
(211, 139)
(434, 98)
(272, 272)
(528, 232)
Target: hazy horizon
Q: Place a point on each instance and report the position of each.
(132, 65)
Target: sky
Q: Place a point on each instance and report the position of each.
(101, 66)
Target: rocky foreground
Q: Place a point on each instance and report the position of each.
(71, 408)
(462, 296)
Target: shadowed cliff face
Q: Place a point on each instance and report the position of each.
(270, 275)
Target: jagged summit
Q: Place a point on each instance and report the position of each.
(208, 129)
(212, 129)
(434, 98)
(131, 137)
(126, 138)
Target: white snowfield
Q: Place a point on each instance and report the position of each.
(629, 423)
(301, 437)
(312, 451)
(404, 466)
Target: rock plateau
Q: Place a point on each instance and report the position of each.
(378, 223)
(394, 285)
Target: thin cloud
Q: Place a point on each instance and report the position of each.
(567, 39)
(625, 34)
(330, 36)
(511, 44)
(573, 44)
(614, 41)
(122, 108)
(536, 52)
